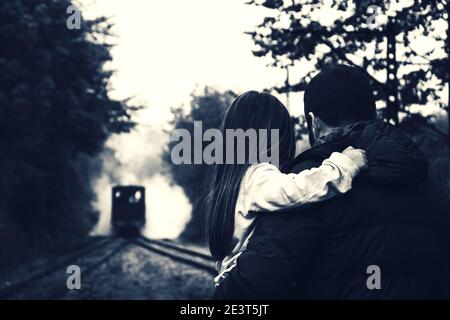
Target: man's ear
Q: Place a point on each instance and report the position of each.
(315, 125)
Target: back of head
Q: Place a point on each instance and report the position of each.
(262, 111)
(255, 111)
(340, 95)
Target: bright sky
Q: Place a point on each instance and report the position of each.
(165, 49)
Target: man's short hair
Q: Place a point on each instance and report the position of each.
(340, 95)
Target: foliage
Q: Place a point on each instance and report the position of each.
(341, 31)
(431, 143)
(208, 107)
(55, 115)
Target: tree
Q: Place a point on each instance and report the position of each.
(368, 34)
(55, 115)
(208, 107)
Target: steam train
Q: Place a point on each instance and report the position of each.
(128, 210)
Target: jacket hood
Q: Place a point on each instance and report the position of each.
(393, 158)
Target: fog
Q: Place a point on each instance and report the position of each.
(135, 159)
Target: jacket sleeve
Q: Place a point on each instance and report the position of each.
(265, 188)
(278, 259)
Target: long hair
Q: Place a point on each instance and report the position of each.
(252, 110)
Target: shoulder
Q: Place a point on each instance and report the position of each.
(295, 224)
(321, 217)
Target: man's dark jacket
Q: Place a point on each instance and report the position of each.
(393, 218)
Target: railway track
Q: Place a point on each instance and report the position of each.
(49, 282)
(46, 282)
(178, 253)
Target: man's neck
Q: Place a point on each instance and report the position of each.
(329, 134)
(333, 133)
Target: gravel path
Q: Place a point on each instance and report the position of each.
(136, 273)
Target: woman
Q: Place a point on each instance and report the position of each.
(238, 191)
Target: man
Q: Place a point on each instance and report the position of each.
(387, 238)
